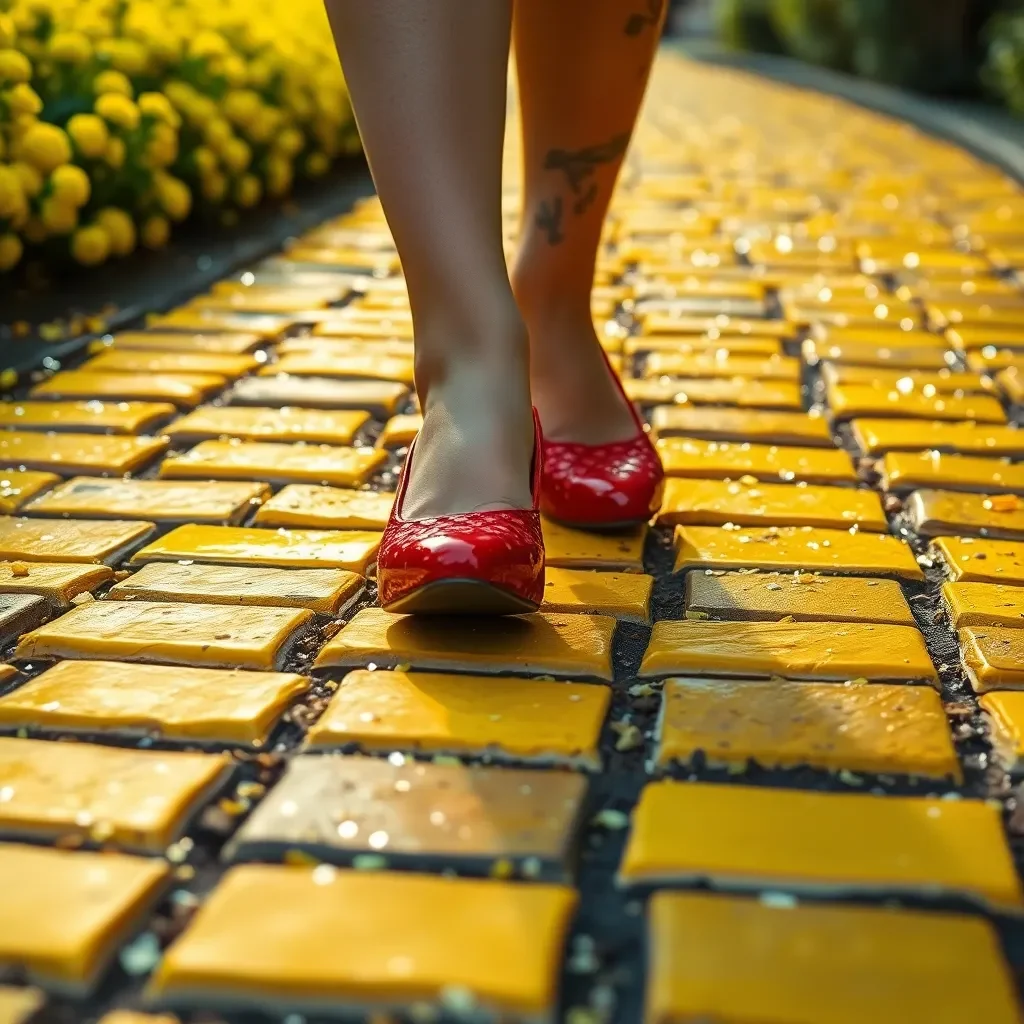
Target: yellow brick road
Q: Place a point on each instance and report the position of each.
(753, 763)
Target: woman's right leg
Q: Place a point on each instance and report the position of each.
(428, 85)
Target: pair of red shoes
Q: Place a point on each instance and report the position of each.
(492, 563)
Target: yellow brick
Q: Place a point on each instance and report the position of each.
(905, 471)
(852, 400)
(683, 457)
(875, 437)
(741, 426)
(977, 560)
(68, 454)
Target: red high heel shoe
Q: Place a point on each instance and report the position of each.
(473, 563)
(602, 486)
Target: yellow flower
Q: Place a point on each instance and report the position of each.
(317, 164)
(90, 245)
(70, 184)
(115, 153)
(124, 55)
(289, 142)
(155, 232)
(234, 70)
(157, 105)
(14, 66)
(120, 229)
(89, 134)
(12, 196)
(248, 190)
(162, 147)
(236, 155)
(118, 109)
(45, 146)
(29, 178)
(59, 218)
(70, 47)
(214, 186)
(10, 251)
(8, 31)
(241, 106)
(174, 195)
(217, 132)
(205, 159)
(279, 175)
(208, 44)
(112, 82)
(23, 99)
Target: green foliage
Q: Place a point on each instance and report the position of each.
(814, 31)
(746, 25)
(1003, 71)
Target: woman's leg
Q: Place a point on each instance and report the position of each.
(428, 82)
(583, 67)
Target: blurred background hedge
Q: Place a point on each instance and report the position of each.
(943, 47)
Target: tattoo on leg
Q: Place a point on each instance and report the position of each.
(639, 21)
(580, 165)
(549, 220)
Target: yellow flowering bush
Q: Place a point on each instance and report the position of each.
(119, 118)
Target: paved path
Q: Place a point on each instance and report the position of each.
(790, 799)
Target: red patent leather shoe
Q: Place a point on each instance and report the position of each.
(602, 486)
(473, 563)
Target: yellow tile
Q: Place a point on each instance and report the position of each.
(206, 635)
(993, 657)
(1009, 381)
(724, 958)
(380, 397)
(288, 549)
(904, 471)
(328, 591)
(935, 513)
(179, 704)
(183, 389)
(621, 595)
(136, 361)
(566, 548)
(742, 393)
(982, 561)
(983, 604)
(975, 314)
(134, 1017)
(876, 437)
(160, 501)
(200, 321)
(927, 382)
(842, 843)
(327, 508)
(353, 367)
(992, 358)
(69, 540)
(369, 939)
(1005, 711)
(851, 400)
(85, 417)
(137, 800)
(399, 431)
(17, 1005)
(741, 425)
(77, 453)
(686, 457)
(804, 597)
(321, 426)
(576, 646)
(719, 364)
(792, 548)
(57, 583)
(857, 727)
(179, 341)
(695, 344)
(795, 650)
(718, 502)
(866, 353)
(330, 348)
(672, 323)
(340, 326)
(520, 719)
(262, 300)
(278, 463)
(18, 486)
(67, 912)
